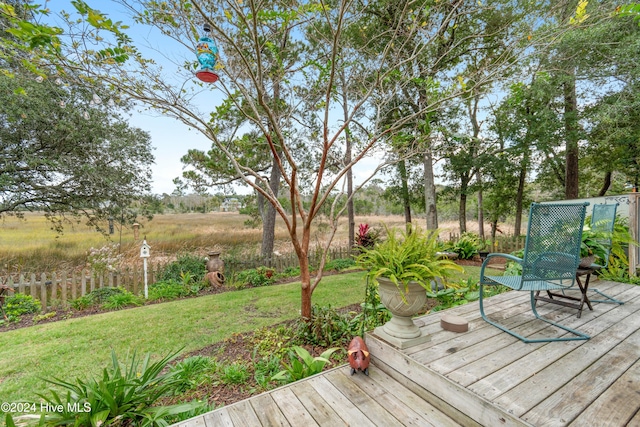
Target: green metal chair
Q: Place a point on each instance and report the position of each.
(550, 260)
(603, 219)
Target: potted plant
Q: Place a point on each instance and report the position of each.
(592, 248)
(404, 266)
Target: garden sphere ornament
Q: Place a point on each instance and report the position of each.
(207, 53)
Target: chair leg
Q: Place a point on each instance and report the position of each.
(497, 325)
(609, 299)
(578, 335)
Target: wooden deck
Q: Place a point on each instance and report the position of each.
(480, 377)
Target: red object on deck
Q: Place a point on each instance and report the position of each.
(207, 76)
(358, 355)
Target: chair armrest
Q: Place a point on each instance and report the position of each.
(497, 255)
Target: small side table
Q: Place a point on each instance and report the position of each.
(557, 298)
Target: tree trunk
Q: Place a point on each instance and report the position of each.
(462, 212)
(269, 218)
(404, 193)
(480, 207)
(351, 213)
(305, 278)
(517, 228)
(571, 135)
(605, 184)
(430, 191)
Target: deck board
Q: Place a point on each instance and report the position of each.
(294, 408)
(571, 398)
(345, 408)
(480, 377)
(268, 412)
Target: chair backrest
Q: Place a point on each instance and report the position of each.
(603, 219)
(552, 248)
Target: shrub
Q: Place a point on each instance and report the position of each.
(168, 290)
(255, 277)
(119, 396)
(340, 264)
(121, 300)
(186, 263)
(16, 305)
(290, 272)
(82, 303)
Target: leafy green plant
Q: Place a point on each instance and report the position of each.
(191, 372)
(326, 327)
(234, 373)
(264, 370)
(592, 244)
(290, 272)
(40, 317)
(120, 397)
(302, 365)
(168, 290)
(82, 303)
(256, 277)
(272, 341)
(412, 257)
(122, 300)
(340, 264)
(101, 295)
(513, 268)
(194, 265)
(18, 304)
(373, 314)
(468, 245)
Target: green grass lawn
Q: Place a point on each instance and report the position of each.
(82, 347)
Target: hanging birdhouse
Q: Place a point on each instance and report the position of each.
(207, 53)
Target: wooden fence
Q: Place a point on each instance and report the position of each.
(281, 262)
(60, 288)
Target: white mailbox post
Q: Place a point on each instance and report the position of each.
(145, 252)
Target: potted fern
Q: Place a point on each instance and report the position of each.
(404, 265)
(592, 248)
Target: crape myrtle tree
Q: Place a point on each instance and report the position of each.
(64, 147)
(284, 88)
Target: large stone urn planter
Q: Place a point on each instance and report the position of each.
(401, 331)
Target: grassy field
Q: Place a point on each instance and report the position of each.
(30, 245)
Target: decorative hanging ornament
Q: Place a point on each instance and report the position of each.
(207, 53)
